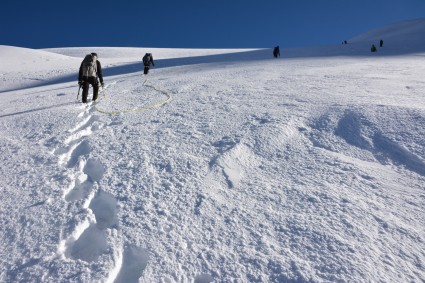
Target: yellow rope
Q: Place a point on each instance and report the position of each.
(139, 108)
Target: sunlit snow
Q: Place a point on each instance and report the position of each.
(217, 166)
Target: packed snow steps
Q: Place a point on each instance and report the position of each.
(94, 231)
(87, 238)
(166, 93)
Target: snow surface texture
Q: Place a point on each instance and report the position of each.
(306, 168)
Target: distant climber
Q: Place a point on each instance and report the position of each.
(381, 43)
(276, 52)
(373, 48)
(147, 61)
(89, 74)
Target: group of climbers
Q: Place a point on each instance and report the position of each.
(90, 73)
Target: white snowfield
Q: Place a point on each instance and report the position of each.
(217, 166)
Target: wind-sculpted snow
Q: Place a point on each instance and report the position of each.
(257, 170)
(356, 130)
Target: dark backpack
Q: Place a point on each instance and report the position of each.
(276, 51)
(90, 66)
(147, 59)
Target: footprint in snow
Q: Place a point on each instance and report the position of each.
(89, 239)
(134, 262)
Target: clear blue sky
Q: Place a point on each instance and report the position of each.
(196, 23)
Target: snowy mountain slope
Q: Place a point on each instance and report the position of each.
(407, 36)
(257, 170)
(135, 54)
(402, 38)
(23, 67)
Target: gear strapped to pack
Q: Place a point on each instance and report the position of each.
(90, 66)
(147, 59)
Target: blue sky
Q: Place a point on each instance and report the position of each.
(196, 24)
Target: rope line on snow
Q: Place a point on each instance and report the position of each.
(166, 93)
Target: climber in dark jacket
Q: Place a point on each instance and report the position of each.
(147, 61)
(276, 52)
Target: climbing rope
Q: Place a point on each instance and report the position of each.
(166, 93)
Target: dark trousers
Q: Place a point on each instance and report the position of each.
(146, 70)
(86, 84)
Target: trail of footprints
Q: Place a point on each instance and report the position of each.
(95, 221)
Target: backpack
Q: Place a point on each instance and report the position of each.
(89, 66)
(147, 59)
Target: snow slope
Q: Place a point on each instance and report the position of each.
(218, 166)
(403, 38)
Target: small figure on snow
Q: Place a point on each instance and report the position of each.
(373, 48)
(147, 61)
(381, 43)
(276, 52)
(90, 73)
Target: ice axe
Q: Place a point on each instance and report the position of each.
(78, 95)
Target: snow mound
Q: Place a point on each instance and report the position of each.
(18, 58)
(23, 67)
